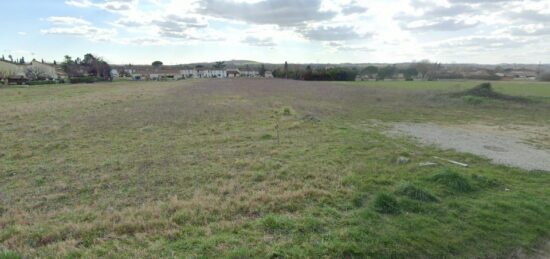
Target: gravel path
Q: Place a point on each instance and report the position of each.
(500, 148)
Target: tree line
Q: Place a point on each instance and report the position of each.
(86, 70)
(310, 73)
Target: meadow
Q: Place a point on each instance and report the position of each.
(261, 168)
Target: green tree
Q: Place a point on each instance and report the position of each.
(370, 71)
(22, 60)
(308, 75)
(386, 72)
(286, 70)
(262, 70)
(410, 73)
(157, 64)
(219, 65)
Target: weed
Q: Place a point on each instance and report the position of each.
(266, 137)
(287, 111)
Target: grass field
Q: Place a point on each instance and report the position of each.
(260, 168)
(518, 88)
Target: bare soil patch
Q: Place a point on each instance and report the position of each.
(503, 145)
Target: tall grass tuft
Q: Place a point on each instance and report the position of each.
(6, 254)
(415, 193)
(453, 180)
(386, 203)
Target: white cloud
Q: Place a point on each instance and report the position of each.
(77, 27)
(108, 5)
(66, 20)
(392, 30)
(259, 42)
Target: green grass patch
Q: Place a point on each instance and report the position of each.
(4, 254)
(190, 169)
(386, 203)
(416, 193)
(453, 181)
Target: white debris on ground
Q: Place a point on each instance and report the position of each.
(501, 148)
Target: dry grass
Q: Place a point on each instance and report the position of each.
(193, 168)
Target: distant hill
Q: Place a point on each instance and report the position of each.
(236, 63)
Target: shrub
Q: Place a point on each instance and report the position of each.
(415, 193)
(386, 203)
(85, 79)
(41, 82)
(453, 181)
(287, 111)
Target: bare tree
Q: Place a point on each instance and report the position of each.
(35, 73)
(428, 70)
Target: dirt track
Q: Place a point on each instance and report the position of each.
(499, 146)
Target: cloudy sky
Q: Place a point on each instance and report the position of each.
(302, 31)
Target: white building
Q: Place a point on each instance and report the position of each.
(189, 73)
(250, 73)
(203, 73)
(114, 73)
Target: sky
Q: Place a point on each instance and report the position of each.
(275, 31)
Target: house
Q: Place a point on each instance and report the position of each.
(11, 70)
(189, 73)
(218, 73)
(232, 73)
(114, 73)
(19, 73)
(249, 73)
(523, 74)
(137, 77)
(47, 71)
(268, 74)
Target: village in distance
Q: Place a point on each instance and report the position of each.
(91, 69)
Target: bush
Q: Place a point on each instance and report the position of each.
(287, 111)
(415, 193)
(386, 203)
(453, 181)
(545, 77)
(85, 79)
(41, 82)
